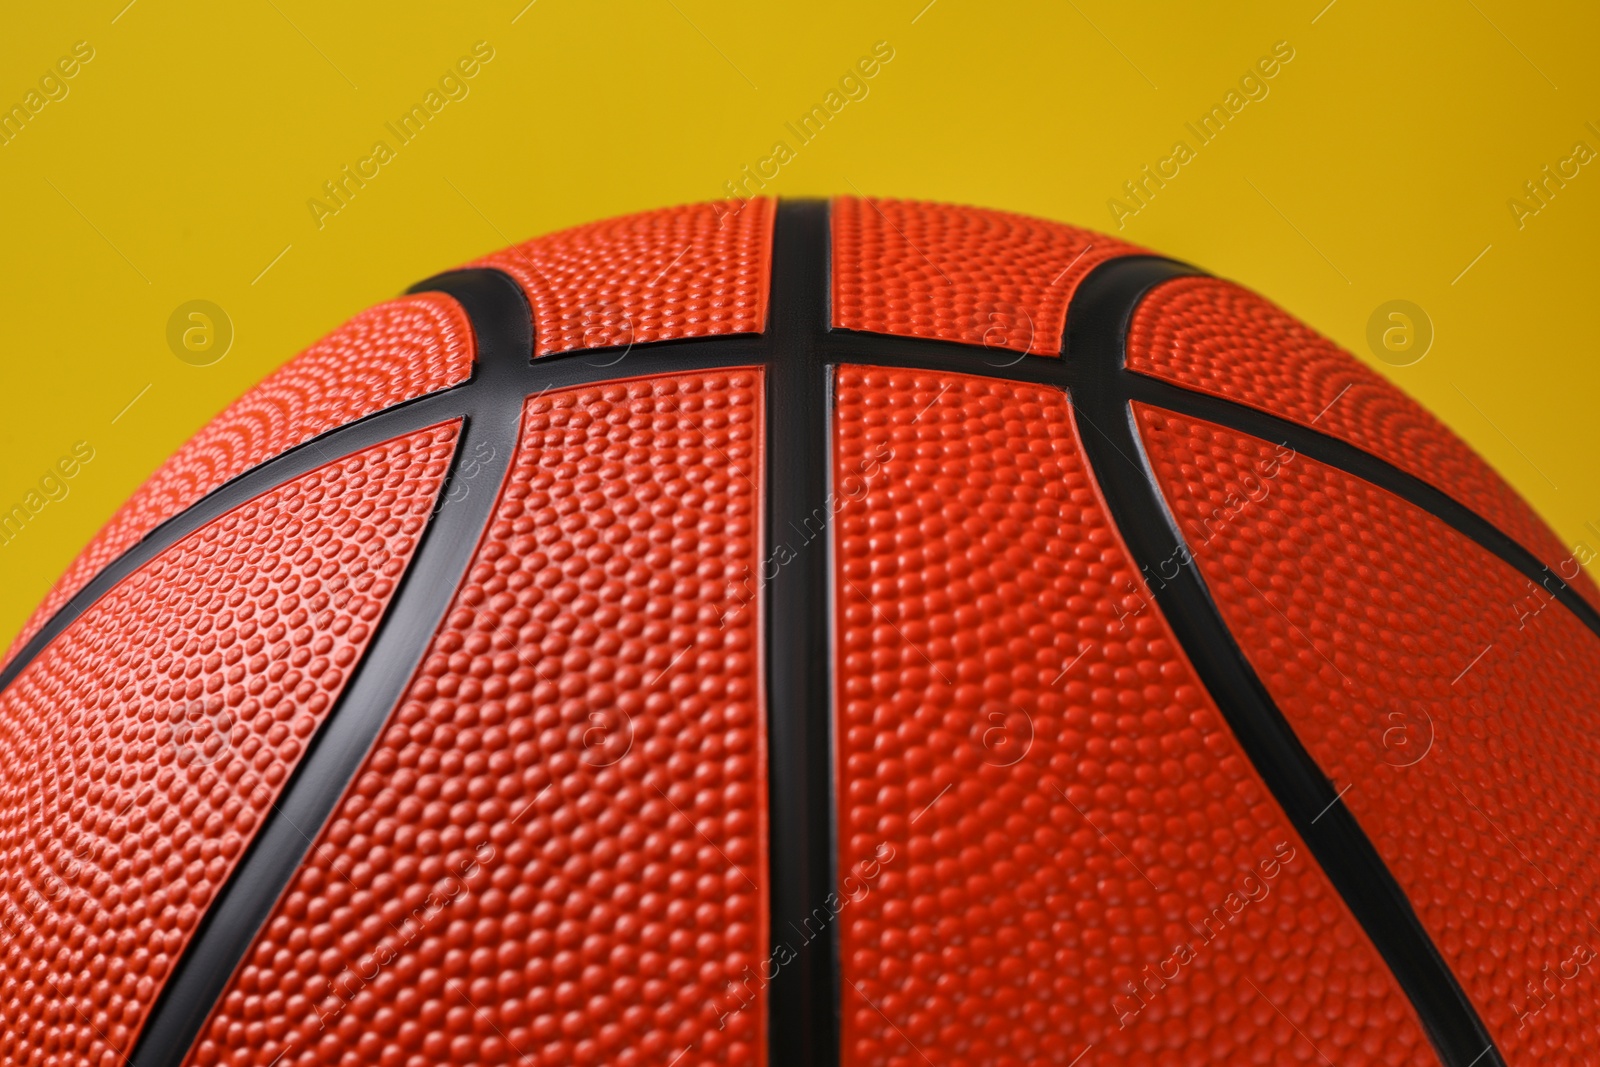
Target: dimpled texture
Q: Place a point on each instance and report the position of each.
(700, 270)
(1450, 697)
(140, 752)
(1037, 800)
(965, 274)
(554, 855)
(1218, 338)
(386, 355)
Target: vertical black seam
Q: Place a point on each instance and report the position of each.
(1097, 329)
(501, 321)
(803, 1001)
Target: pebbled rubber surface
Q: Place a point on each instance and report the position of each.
(1218, 338)
(1038, 803)
(700, 270)
(140, 751)
(980, 277)
(555, 854)
(390, 353)
(1452, 697)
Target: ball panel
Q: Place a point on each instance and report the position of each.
(1451, 696)
(390, 353)
(1038, 803)
(700, 270)
(915, 269)
(141, 750)
(1221, 339)
(556, 852)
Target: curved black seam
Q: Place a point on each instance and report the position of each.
(803, 1000)
(419, 413)
(1364, 465)
(415, 414)
(835, 346)
(803, 993)
(1097, 326)
(492, 406)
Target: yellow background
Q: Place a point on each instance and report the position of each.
(181, 162)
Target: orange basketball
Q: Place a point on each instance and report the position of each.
(852, 633)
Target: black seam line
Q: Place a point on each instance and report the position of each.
(814, 1001)
(492, 408)
(837, 345)
(413, 415)
(927, 354)
(917, 353)
(1362, 464)
(1097, 327)
(845, 346)
(586, 367)
(803, 994)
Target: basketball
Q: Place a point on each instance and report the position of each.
(863, 633)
